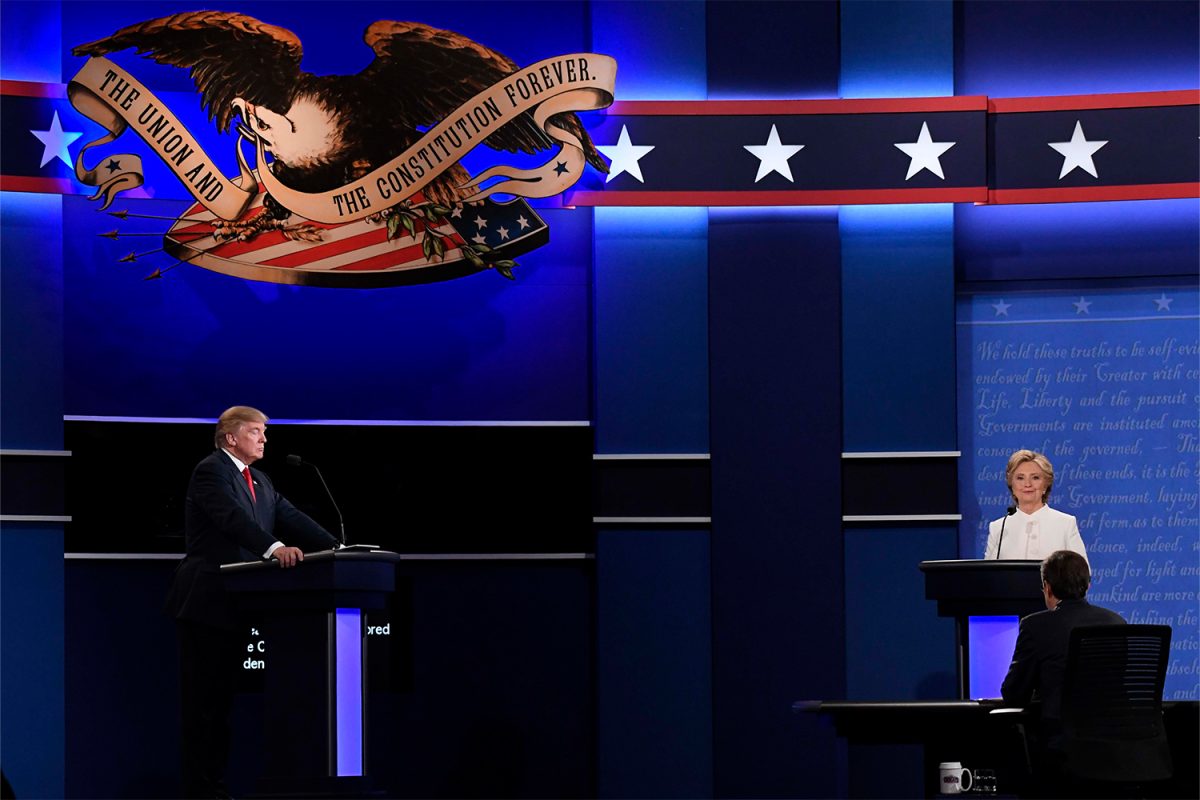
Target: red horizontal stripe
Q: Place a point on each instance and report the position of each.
(19, 183)
(234, 249)
(1081, 102)
(317, 252)
(54, 91)
(1141, 191)
(671, 108)
(386, 260)
(966, 194)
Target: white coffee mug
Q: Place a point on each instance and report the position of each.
(952, 778)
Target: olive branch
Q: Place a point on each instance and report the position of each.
(406, 215)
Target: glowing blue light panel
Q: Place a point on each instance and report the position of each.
(990, 648)
(348, 696)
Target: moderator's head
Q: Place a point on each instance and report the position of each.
(1067, 574)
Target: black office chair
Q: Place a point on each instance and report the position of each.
(1112, 705)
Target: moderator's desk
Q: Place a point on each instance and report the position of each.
(934, 730)
(968, 731)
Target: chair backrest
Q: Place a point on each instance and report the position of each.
(1112, 703)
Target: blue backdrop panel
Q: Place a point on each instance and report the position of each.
(1029, 49)
(653, 628)
(31, 672)
(31, 324)
(794, 53)
(659, 47)
(919, 644)
(897, 48)
(651, 331)
(31, 568)
(30, 42)
(897, 327)
(653, 664)
(1143, 238)
(192, 343)
(774, 294)
(1103, 381)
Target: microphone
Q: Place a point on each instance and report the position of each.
(1008, 512)
(295, 461)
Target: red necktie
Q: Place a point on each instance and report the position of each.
(249, 483)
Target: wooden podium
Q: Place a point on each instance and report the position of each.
(316, 686)
(977, 588)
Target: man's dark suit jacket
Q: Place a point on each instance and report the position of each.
(223, 526)
(1040, 656)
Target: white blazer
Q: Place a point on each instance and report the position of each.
(1034, 536)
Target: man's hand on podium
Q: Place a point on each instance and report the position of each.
(288, 556)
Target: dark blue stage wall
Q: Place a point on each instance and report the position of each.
(762, 343)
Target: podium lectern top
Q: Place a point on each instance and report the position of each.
(976, 586)
(327, 579)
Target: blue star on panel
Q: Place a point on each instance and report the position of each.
(560, 168)
(113, 165)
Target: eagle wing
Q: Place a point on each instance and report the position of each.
(229, 56)
(427, 72)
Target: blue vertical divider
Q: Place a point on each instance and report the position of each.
(776, 554)
(775, 399)
(31, 553)
(650, 312)
(898, 351)
(898, 389)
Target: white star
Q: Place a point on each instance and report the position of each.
(479, 239)
(1164, 302)
(1001, 308)
(503, 231)
(924, 153)
(773, 156)
(624, 156)
(524, 223)
(456, 212)
(1082, 306)
(1078, 152)
(56, 141)
(480, 221)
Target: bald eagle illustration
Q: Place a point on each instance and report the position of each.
(324, 131)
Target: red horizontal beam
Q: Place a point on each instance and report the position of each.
(710, 108)
(966, 194)
(1083, 102)
(1141, 191)
(54, 91)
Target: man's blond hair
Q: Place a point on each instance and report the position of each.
(232, 419)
